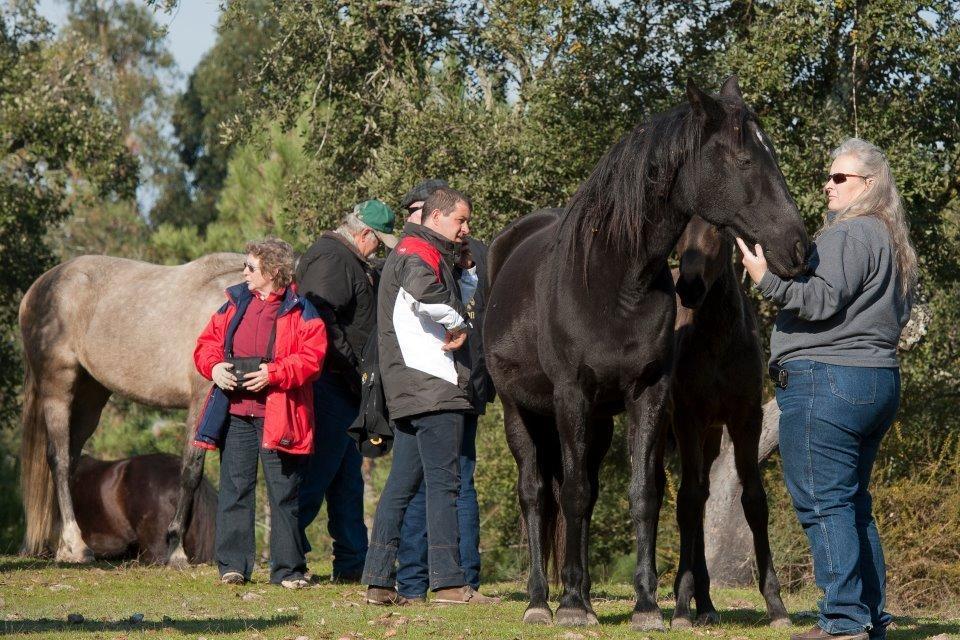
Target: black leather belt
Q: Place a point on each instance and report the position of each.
(778, 374)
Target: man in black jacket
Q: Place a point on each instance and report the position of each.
(412, 573)
(336, 277)
(422, 325)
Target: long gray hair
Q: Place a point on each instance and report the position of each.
(883, 202)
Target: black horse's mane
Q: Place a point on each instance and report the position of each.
(633, 180)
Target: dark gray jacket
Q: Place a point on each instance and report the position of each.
(343, 287)
(418, 303)
(848, 310)
(482, 390)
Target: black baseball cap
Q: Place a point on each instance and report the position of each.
(421, 192)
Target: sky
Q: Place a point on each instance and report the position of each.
(191, 29)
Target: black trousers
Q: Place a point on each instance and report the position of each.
(235, 542)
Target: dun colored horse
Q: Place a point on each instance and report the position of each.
(717, 380)
(580, 322)
(91, 327)
(123, 508)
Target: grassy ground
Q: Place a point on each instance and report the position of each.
(36, 599)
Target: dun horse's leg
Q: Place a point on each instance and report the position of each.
(706, 612)
(690, 502)
(648, 420)
(191, 471)
(600, 435)
(745, 434)
(571, 411)
(57, 396)
(533, 489)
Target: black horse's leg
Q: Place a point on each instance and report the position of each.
(191, 471)
(599, 438)
(534, 493)
(648, 421)
(745, 434)
(690, 502)
(706, 612)
(571, 410)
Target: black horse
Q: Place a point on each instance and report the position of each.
(717, 380)
(580, 322)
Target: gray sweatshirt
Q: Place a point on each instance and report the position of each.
(847, 309)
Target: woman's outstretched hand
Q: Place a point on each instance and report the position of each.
(754, 263)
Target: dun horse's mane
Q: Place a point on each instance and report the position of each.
(633, 180)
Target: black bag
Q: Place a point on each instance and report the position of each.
(372, 429)
(249, 364)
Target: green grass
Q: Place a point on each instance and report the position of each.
(36, 598)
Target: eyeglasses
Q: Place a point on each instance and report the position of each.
(252, 268)
(840, 178)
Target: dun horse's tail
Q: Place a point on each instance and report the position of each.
(36, 481)
(199, 540)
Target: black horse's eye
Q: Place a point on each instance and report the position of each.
(744, 161)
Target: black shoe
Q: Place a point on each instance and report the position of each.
(346, 578)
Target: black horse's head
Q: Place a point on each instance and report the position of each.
(736, 183)
(704, 253)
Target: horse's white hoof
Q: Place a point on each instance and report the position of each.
(178, 559)
(781, 623)
(81, 554)
(568, 617)
(537, 615)
(647, 621)
(592, 619)
(708, 618)
(681, 622)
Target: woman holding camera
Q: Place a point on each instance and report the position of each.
(262, 349)
(834, 360)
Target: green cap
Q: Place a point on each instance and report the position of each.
(379, 217)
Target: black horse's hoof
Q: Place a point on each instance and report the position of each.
(681, 622)
(708, 618)
(780, 623)
(647, 621)
(572, 617)
(537, 615)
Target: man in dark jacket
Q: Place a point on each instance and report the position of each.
(422, 326)
(335, 276)
(412, 556)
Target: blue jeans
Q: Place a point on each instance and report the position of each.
(833, 419)
(426, 450)
(412, 576)
(333, 471)
(235, 544)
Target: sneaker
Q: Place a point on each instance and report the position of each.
(816, 633)
(232, 577)
(294, 583)
(462, 595)
(385, 597)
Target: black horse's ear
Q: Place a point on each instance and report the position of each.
(731, 89)
(705, 107)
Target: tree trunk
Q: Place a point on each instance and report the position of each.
(727, 538)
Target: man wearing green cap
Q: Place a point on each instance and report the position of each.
(335, 275)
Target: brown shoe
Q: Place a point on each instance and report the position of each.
(816, 633)
(462, 595)
(385, 597)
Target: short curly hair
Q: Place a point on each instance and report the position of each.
(275, 256)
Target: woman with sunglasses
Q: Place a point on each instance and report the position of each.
(834, 361)
(266, 328)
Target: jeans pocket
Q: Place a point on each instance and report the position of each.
(856, 385)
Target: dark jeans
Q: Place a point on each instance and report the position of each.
(235, 544)
(333, 471)
(833, 419)
(425, 450)
(412, 575)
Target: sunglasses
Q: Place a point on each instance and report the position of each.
(247, 265)
(840, 178)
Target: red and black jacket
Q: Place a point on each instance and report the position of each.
(299, 349)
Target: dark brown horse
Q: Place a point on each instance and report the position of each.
(717, 380)
(92, 327)
(123, 508)
(580, 322)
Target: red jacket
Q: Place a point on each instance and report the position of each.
(299, 349)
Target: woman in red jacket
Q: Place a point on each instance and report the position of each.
(266, 413)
